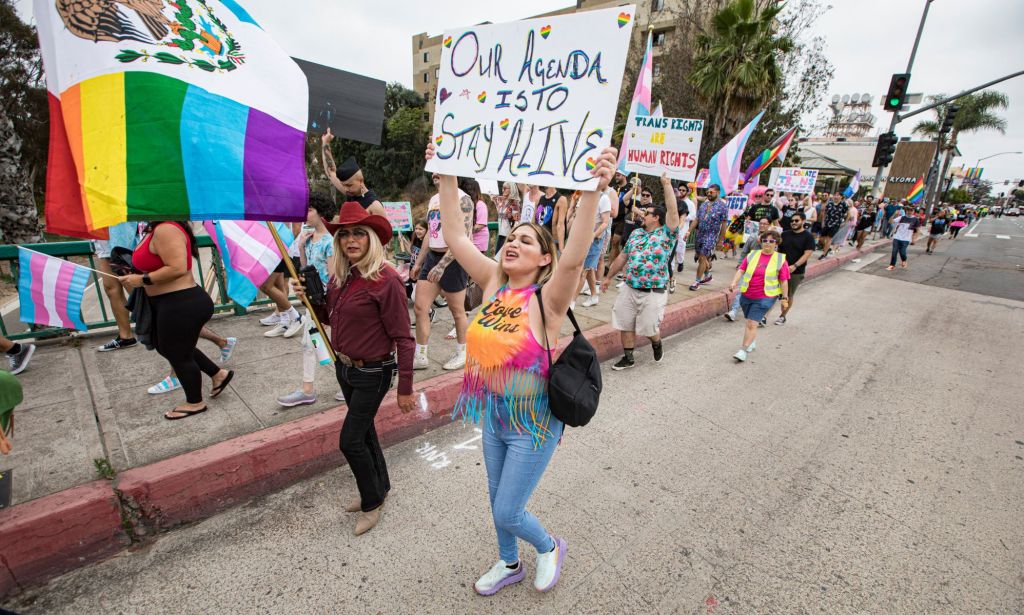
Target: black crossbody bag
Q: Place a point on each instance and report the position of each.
(574, 380)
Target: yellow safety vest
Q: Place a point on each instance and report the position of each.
(771, 273)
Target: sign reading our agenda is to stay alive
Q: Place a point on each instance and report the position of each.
(530, 101)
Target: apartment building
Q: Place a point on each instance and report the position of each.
(662, 15)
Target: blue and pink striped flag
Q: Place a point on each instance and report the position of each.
(50, 290)
(641, 104)
(853, 187)
(249, 252)
(725, 165)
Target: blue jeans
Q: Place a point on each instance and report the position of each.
(514, 468)
(898, 247)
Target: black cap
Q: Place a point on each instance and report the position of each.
(348, 168)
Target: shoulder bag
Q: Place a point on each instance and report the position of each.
(574, 380)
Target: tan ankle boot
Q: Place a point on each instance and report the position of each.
(367, 521)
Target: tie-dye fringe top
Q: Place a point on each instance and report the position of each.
(505, 362)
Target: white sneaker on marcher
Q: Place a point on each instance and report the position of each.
(549, 566)
(420, 361)
(586, 290)
(498, 577)
(279, 329)
(271, 320)
(294, 327)
(730, 316)
(458, 360)
(741, 355)
(620, 284)
(339, 396)
(591, 301)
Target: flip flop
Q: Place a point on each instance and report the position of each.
(184, 413)
(217, 390)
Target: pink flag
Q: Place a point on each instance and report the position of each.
(641, 104)
(50, 290)
(725, 165)
(249, 253)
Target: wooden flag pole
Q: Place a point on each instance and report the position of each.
(305, 300)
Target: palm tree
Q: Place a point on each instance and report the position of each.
(976, 113)
(735, 70)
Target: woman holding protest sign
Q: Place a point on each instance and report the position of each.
(507, 369)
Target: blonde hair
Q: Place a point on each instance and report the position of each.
(370, 266)
(547, 246)
(513, 192)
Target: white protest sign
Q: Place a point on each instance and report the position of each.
(659, 145)
(489, 186)
(736, 203)
(530, 101)
(792, 179)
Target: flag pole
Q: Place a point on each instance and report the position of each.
(305, 300)
(109, 275)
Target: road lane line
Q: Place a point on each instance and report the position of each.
(1002, 236)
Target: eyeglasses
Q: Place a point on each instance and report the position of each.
(650, 212)
(358, 233)
(646, 195)
(796, 221)
(769, 240)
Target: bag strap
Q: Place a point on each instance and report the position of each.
(544, 323)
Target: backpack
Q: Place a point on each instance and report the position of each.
(574, 380)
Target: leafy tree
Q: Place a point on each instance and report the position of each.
(957, 196)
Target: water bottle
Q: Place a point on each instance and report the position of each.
(319, 346)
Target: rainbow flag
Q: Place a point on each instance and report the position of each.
(916, 191)
(725, 164)
(641, 104)
(50, 290)
(775, 151)
(169, 110)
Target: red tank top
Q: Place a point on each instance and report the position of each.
(147, 262)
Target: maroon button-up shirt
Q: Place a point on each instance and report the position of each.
(371, 319)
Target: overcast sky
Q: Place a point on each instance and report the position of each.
(964, 44)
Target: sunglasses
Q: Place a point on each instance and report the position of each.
(796, 221)
(646, 195)
(358, 233)
(768, 240)
(650, 212)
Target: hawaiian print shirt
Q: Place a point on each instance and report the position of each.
(647, 256)
(710, 217)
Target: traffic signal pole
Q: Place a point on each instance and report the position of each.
(875, 187)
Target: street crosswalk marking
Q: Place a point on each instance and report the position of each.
(972, 234)
(1002, 236)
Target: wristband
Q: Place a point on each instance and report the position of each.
(146, 280)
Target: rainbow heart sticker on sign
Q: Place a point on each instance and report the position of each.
(439, 139)
(504, 124)
(591, 164)
(448, 41)
(545, 31)
(623, 19)
(482, 97)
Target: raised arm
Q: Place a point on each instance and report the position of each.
(672, 215)
(327, 158)
(457, 227)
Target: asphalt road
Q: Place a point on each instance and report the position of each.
(987, 258)
(869, 458)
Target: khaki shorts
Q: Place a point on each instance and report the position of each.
(639, 312)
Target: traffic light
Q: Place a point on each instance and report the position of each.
(949, 118)
(885, 149)
(897, 95)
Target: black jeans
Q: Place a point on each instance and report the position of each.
(364, 388)
(178, 317)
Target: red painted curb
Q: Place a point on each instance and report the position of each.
(57, 533)
(48, 536)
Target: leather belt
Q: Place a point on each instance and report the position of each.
(375, 362)
(650, 290)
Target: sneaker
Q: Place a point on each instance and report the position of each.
(752, 347)
(297, 398)
(586, 290)
(672, 285)
(117, 344)
(166, 385)
(549, 566)
(695, 286)
(763, 322)
(620, 284)
(18, 362)
(457, 361)
(271, 320)
(740, 356)
(624, 363)
(279, 329)
(498, 577)
(619, 277)
(339, 396)
(420, 361)
(707, 279)
(781, 320)
(294, 327)
(731, 315)
(440, 302)
(591, 301)
(228, 350)
(659, 351)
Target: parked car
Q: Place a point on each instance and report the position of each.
(1013, 211)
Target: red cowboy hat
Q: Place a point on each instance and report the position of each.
(353, 214)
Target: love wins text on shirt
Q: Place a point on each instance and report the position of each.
(500, 317)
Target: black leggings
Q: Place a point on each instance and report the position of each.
(178, 317)
(953, 230)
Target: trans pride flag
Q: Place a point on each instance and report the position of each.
(169, 110)
(50, 290)
(641, 104)
(853, 187)
(725, 165)
(916, 191)
(249, 252)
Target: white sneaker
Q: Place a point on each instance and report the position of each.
(586, 290)
(271, 320)
(420, 361)
(549, 566)
(741, 355)
(591, 301)
(620, 284)
(294, 327)
(280, 329)
(339, 396)
(752, 347)
(730, 316)
(458, 360)
(498, 577)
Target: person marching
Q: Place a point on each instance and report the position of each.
(180, 309)
(710, 224)
(938, 229)
(797, 246)
(762, 277)
(507, 365)
(905, 227)
(366, 309)
(640, 305)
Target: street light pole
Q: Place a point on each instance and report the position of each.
(978, 164)
(895, 115)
